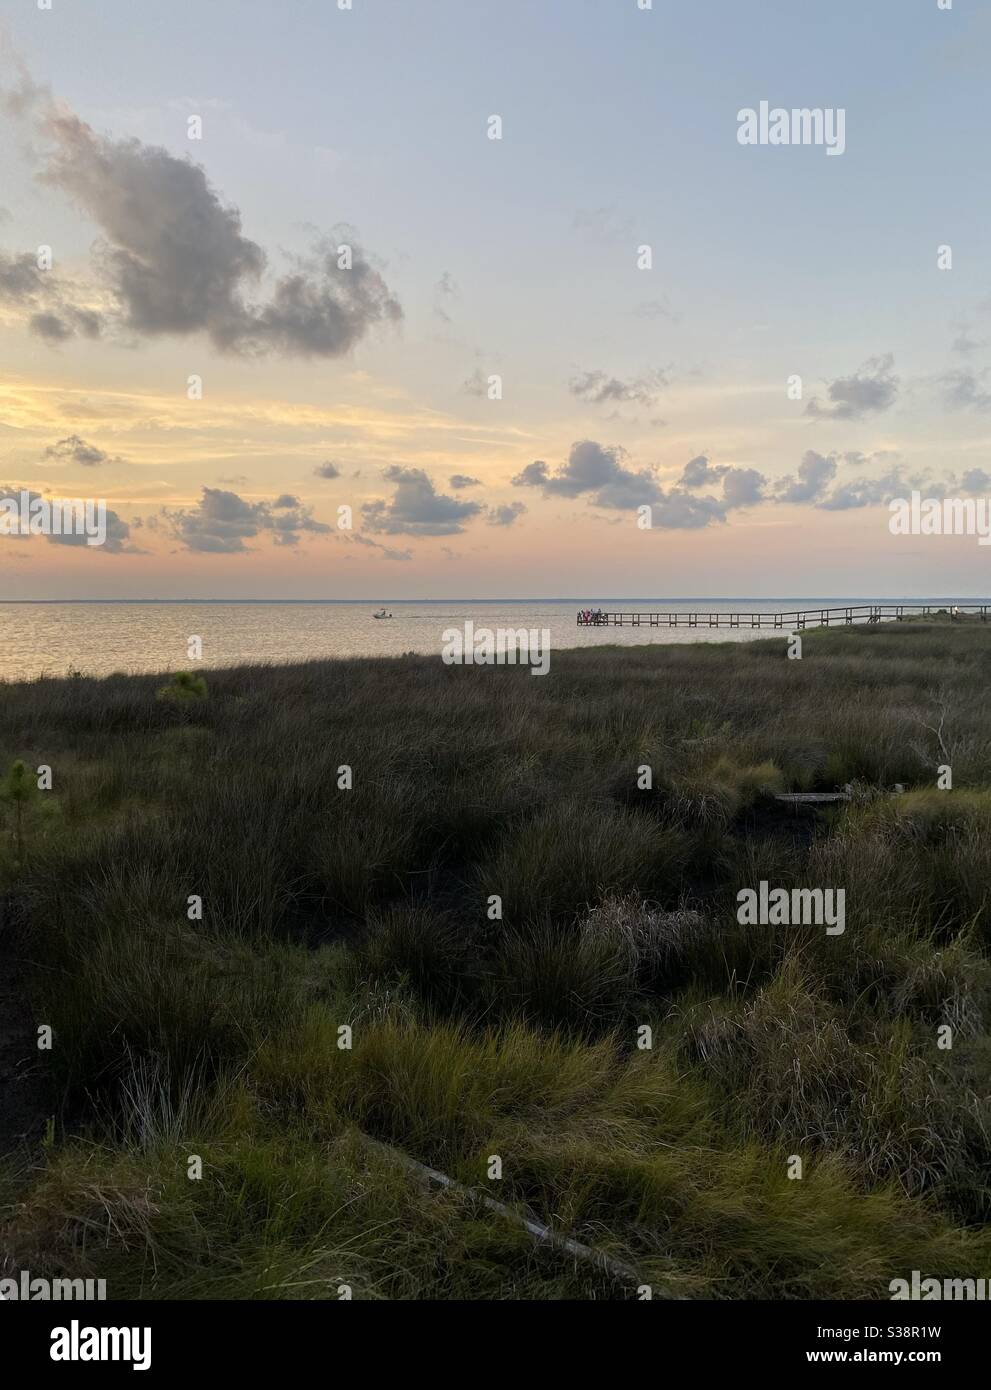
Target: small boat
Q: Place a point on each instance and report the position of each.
(381, 614)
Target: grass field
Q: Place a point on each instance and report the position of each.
(517, 1037)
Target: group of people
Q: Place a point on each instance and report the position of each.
(590, 616)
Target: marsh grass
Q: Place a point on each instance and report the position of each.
(515, 1034)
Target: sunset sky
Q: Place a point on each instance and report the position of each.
(368, 387)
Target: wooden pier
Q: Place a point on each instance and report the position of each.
(790, 622)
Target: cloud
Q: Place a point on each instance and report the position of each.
(52, 315)
(327, 470)
(222, 521)
(592, 468)
(815, 473)
(678, 510)
(386, 550)
(601, 472)
(20, 277)
(445, 292)
(505, 515)
(964, 342)
(476, 384)
(600, 388)
(871, 389)
(964, 389)
(533, 475)
(175, 261)
(863, 492)
(976, 480)
(699, 471)
(416, 508)
(462, 480)
(72, 449)
(743, 487)
(118, 532)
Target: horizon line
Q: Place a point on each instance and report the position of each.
(691, 598)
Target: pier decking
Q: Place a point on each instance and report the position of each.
(808, 617)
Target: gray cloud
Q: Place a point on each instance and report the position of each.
(871, 389)
(387, 551)
(976, 480)
(72, 449)
(20, 277)
(416, 508)
(600, 472)
(815, 473)
(505, 515)
(533, 475)
(743, 487)
(863, 492)
(699, 471)
(460, 481)
(118, 532)
(593, 468)
(176, 262)
(964, 389)
(599, 388)
(327, 470)
(53, 316)
(222, 521)
(678, 510)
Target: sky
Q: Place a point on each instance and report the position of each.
(429, 363)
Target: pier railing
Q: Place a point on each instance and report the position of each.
(799, 618)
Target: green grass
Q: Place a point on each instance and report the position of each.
(513, 1034)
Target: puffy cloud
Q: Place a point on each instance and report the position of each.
(871, 389)
(815, 473)
(176, 262)
(743, 487)
(416, 508)
(118, 535)
(533, 475)
(600, 472)
(459, 481)
(678, 510)
(327, 470)
(118, 531)
(592, 467)
(222, 521)
(505, 515)
(72, 449)
(862, 492)
(699, 471)
(976, 480)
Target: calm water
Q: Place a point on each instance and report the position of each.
(99, 638)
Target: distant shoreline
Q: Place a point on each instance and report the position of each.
(582, 599)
